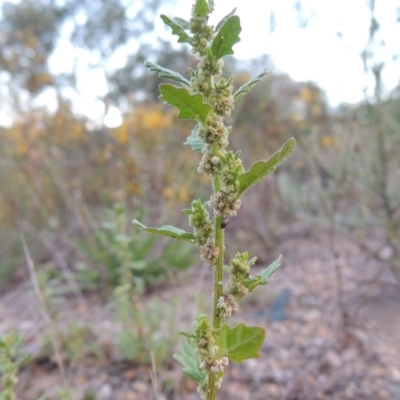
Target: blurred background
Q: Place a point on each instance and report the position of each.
(86, 146)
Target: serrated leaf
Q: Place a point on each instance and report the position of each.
(261, 169)
(246, 88)
(166, 230)
(189, 106)
(177, 29)
(266, 273)
(226, 37)
(166, 73)
(194, 141)
(223, 20)
(201, 8)
(190, 361)
(241, 342)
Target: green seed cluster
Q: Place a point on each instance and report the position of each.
(199, 219)
(239, 272)
(8, 348)
(225, 201)
(207, 349)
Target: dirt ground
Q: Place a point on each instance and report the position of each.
(320, 344)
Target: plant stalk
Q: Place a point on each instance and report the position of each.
(218, 276)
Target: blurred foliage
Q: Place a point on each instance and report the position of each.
(59, 171)
(31, 31)
(123, 251)
(60, 175)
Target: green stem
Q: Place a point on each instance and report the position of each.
(218, 276)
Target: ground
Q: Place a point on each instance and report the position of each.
(322, 343)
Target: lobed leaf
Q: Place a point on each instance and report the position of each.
(201, 8)
(194, 141)
(241, 342)
(190, 361)
(246, 88)
(166, 73)
(177, 29)
(261, 169)
(226, 37)
(166, 230)
(223, 20)
(189, 105)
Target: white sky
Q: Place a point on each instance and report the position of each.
(315, 53)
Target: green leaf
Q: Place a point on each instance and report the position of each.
(177, 29)
(190, 361)
(261, 169)
(166, 230)
(166, 73)
(226, 37)
(189, 106)
(266, 273)
(194, 141)
(241, 342)
(182, 22)
(246, 88)
(223, 20)
(201, 8)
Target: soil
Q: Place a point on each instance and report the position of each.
(322, 342)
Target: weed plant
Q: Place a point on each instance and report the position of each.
(10, 361)
(130, 258)
(208, 98)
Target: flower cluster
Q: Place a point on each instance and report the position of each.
(215, 133)
(228, 305)
(202, 33)
(206, 346)
(239, 274)
(226, 202)
(199, 219)
(209, 252)
(222, 97)
(236, 288)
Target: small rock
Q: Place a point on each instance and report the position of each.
(312, 315)
(333, 359)
(386, 253)
(395, 373)
(140, 387)
(105, 392)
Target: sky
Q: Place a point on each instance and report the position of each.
(327, 51)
